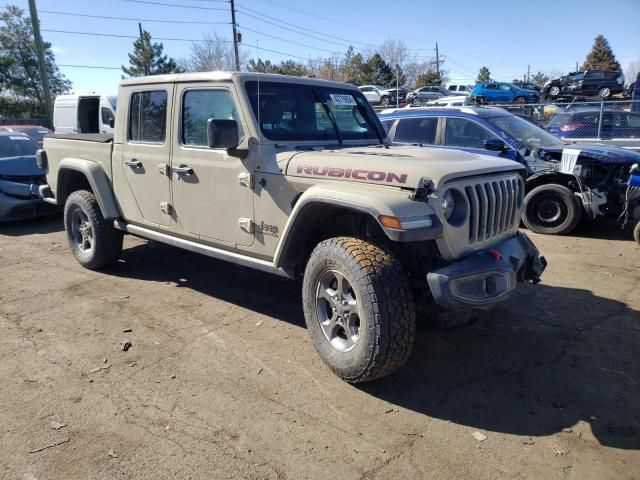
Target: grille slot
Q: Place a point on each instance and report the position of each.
(493, 207)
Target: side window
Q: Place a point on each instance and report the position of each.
(491, 86)
(417, 130)
(107, 115)
(198, 106)
(461, 132)
(148, 116)
(505, 87)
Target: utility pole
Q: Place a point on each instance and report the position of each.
(528, 73)
(437, 61)
(235, 34)
(146, 67)
(41, 61)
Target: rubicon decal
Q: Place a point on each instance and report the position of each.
(374, 176)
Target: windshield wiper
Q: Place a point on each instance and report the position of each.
(329, 113)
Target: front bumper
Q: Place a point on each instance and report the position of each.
(487, 277)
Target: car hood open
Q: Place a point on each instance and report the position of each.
(399, 166)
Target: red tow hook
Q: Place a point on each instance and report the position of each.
(495, 254)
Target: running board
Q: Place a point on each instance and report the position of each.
(238, 259)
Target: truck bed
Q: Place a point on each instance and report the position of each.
(86, 146)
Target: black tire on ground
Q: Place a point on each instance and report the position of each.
(636, 233)
(521, 100)
(551, 209)
(384, 100)
(93, 240)
(375, 287)
(554, 91)
(416, 102)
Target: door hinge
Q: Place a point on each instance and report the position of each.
(246, 224)
(245, 179)
(165, 207)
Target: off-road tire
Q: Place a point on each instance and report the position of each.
(636, 233)
(570, 210)
(106, 245)
(385, 308)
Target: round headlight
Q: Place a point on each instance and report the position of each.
(448, 205)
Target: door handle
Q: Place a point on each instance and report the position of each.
(182, 170)
(133, 163)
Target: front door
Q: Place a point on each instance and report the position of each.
(212, 196)
(145, 153)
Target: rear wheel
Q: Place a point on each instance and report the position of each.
(384, 100)
(358, 308)
(551, 209)
(93, 240)
(554, 91)
(416, 102)
(604, 92)
(636, 233)
(521, 100)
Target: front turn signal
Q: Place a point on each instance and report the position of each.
(390, 222)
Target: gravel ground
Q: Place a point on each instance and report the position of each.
(221, 380)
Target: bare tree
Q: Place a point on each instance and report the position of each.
(394, 52)
(212, 53)
(632, 70)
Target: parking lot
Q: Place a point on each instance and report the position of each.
(221, 380)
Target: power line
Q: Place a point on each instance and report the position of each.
(289, 41)
(94, 34)
(146, 20)
(176, 5)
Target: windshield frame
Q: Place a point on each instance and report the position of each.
(551, 140)
(364, 108)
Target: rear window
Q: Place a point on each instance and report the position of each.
(148, 116)
(35, 133)
(17, 146)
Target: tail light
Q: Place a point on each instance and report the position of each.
(570, 127)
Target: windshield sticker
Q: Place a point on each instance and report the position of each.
(342, 99)
(18, 138)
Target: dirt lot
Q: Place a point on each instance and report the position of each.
(222, 381)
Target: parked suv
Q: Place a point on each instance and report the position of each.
(423, 95)
(296, 177)
(456, 89)
(590, 83)
(501, 92)
(377, 95)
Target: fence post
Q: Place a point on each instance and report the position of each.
(600, 119)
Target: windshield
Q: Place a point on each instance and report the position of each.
(17, 146)
(304, 112)
(525, 133)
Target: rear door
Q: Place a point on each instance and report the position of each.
(212, 196)
(146, 151)
(467, 135)
(418, 130)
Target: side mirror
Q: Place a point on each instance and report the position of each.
(495, 145)
(222, 133)
(112, 122)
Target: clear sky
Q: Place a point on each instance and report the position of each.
(506, 36)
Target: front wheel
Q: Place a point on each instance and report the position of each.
(521, 100)
(554, 91)
(384, 100)
(93, 240)
(358, 308)
(416, 102)
(551, 209)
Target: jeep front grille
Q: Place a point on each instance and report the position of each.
(494, 207)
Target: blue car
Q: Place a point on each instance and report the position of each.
(501, 92)
(20, 178)
(563, 181)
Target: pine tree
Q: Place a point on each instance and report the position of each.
(20, 79)
(380, 71)
(430, 77)
(147, 58)
(601, 57)
(484, 75)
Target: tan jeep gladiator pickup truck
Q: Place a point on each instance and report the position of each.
(295, 177)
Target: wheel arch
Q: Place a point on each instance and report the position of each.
(77, 174)
(326, 211)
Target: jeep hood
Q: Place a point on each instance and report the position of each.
(399, 166)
